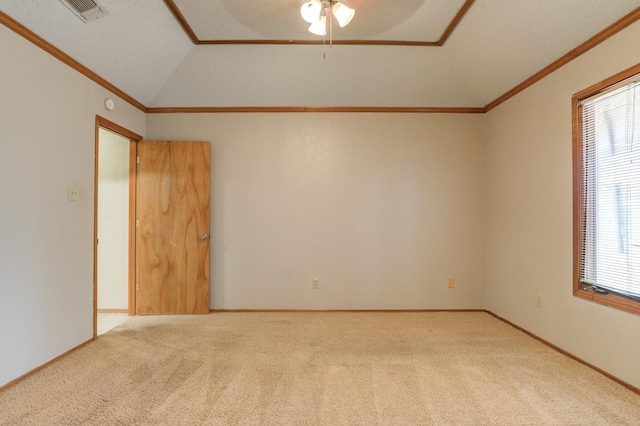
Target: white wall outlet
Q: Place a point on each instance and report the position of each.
(451, 283)
(315, 283)
(73, 194)
(539, 301)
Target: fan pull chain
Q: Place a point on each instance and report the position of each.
(324, 37)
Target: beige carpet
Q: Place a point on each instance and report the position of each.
(320, 368)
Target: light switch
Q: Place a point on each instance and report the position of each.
(74, 193)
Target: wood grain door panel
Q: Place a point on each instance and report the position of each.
(172, 261)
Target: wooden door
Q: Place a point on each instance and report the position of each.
(172, 238)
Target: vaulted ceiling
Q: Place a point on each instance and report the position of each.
(247, 53)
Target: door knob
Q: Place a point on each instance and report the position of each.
(203, 237)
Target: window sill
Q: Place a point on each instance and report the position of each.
(613, 300)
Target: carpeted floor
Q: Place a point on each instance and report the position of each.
(440, 368)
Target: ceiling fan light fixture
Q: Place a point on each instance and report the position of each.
(310, 11)
(343, 14)
(319, 27)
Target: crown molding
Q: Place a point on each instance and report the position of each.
(447, 32)
(23, 31)
(405, 110)
(603, 35)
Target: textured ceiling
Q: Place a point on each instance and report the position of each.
(136, 47)
(409, 20)
(141, 48)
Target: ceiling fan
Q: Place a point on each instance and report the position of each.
(315, 12)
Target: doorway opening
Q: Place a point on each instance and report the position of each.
(114, 225)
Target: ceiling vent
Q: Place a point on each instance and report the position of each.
(86, 10)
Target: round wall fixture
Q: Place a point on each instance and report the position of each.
(108, 104)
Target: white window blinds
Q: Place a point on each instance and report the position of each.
(610, 196)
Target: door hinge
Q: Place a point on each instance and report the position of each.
(137, 287)
(138, 159)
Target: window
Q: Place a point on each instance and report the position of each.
(606, 164)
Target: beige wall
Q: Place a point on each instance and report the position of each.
(113, 221)
(529, 216)
(381, 208)
(47, 117)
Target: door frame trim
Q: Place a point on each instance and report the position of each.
(133, 173)
(133, 137)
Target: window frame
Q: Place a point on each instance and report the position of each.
(611, 299)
